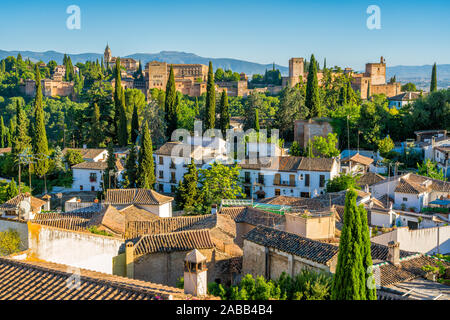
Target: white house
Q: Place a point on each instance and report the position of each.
(173, 158)
(90, 155)
(287, 176)
(88, 176)
(411, 191)
(403, 99)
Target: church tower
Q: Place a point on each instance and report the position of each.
(107, 55)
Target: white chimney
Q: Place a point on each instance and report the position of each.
(394, 253)
(195, 271)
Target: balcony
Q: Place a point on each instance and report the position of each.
(284, 183)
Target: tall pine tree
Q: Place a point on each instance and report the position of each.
(134, 124)
(131, 168)
(111, 169)
(188, 193)
(371, 293)
(312, 101)
(117, 99)
(210, 112)
(123, 127)
(40, 147)
(3, 133)
(433, 85)
(146, 168)
(170, 105)
(19, 136)
(224, 114)
(96, 133)
(349, 280)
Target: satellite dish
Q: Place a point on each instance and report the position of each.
(24, 209)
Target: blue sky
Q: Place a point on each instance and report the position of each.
(412, 32)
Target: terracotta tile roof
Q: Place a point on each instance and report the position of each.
(135, 196)
(85, 152)
(406, 186)
(91, 165)
(434, 184)
(71, 224)
(359, 159)
(168, 149)
(232, 212)
(311, 204)
(175, 241)
(409, 269)
(291, 243)
(13, 203)
(26, 280)
(256, 217)
(369, 178)
(136, 213)
(109, 218)
(380, 252)
(406, 96)
(289, 163)
(162, 225)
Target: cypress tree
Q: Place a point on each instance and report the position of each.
(11, 134)
(433, 85)
(134, 125)
(146, 168)
(117, 99)
(324, 63)
(123, 128)
(210, 112)
(131, 168)
(349, 279)
(224, 114)
(170, 104)
(40, 136)
(196, 107)
(343, 96)
(111, 169)
(2, 133)
(371, 293)
(257, 120)
(368, 91)
(21, 140)
(312, 101)
(96, 134)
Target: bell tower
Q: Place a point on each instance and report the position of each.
(107, 55)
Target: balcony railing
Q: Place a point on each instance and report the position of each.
(284, 183)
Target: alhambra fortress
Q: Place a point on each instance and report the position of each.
(190, 79)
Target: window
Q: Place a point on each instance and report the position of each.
(277, 192)
(161, 188)
(172, 177)
(277, 179)
(405, 199)
(247, 177)
(172, 189)
(161, 174)
(93, 177)
(322, 181)
(81, 187)
(304, 194)
(306, 180)
(92, 188)
(161, 160)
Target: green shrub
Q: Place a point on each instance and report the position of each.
(9, 242)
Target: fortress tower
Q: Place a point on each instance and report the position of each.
(296, 70)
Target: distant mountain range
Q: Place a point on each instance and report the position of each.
(420, 75)
(166, 56)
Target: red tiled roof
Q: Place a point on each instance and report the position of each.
(135, 196)
(24, 280)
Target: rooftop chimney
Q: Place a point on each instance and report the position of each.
(394, 253)
(195, 279)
